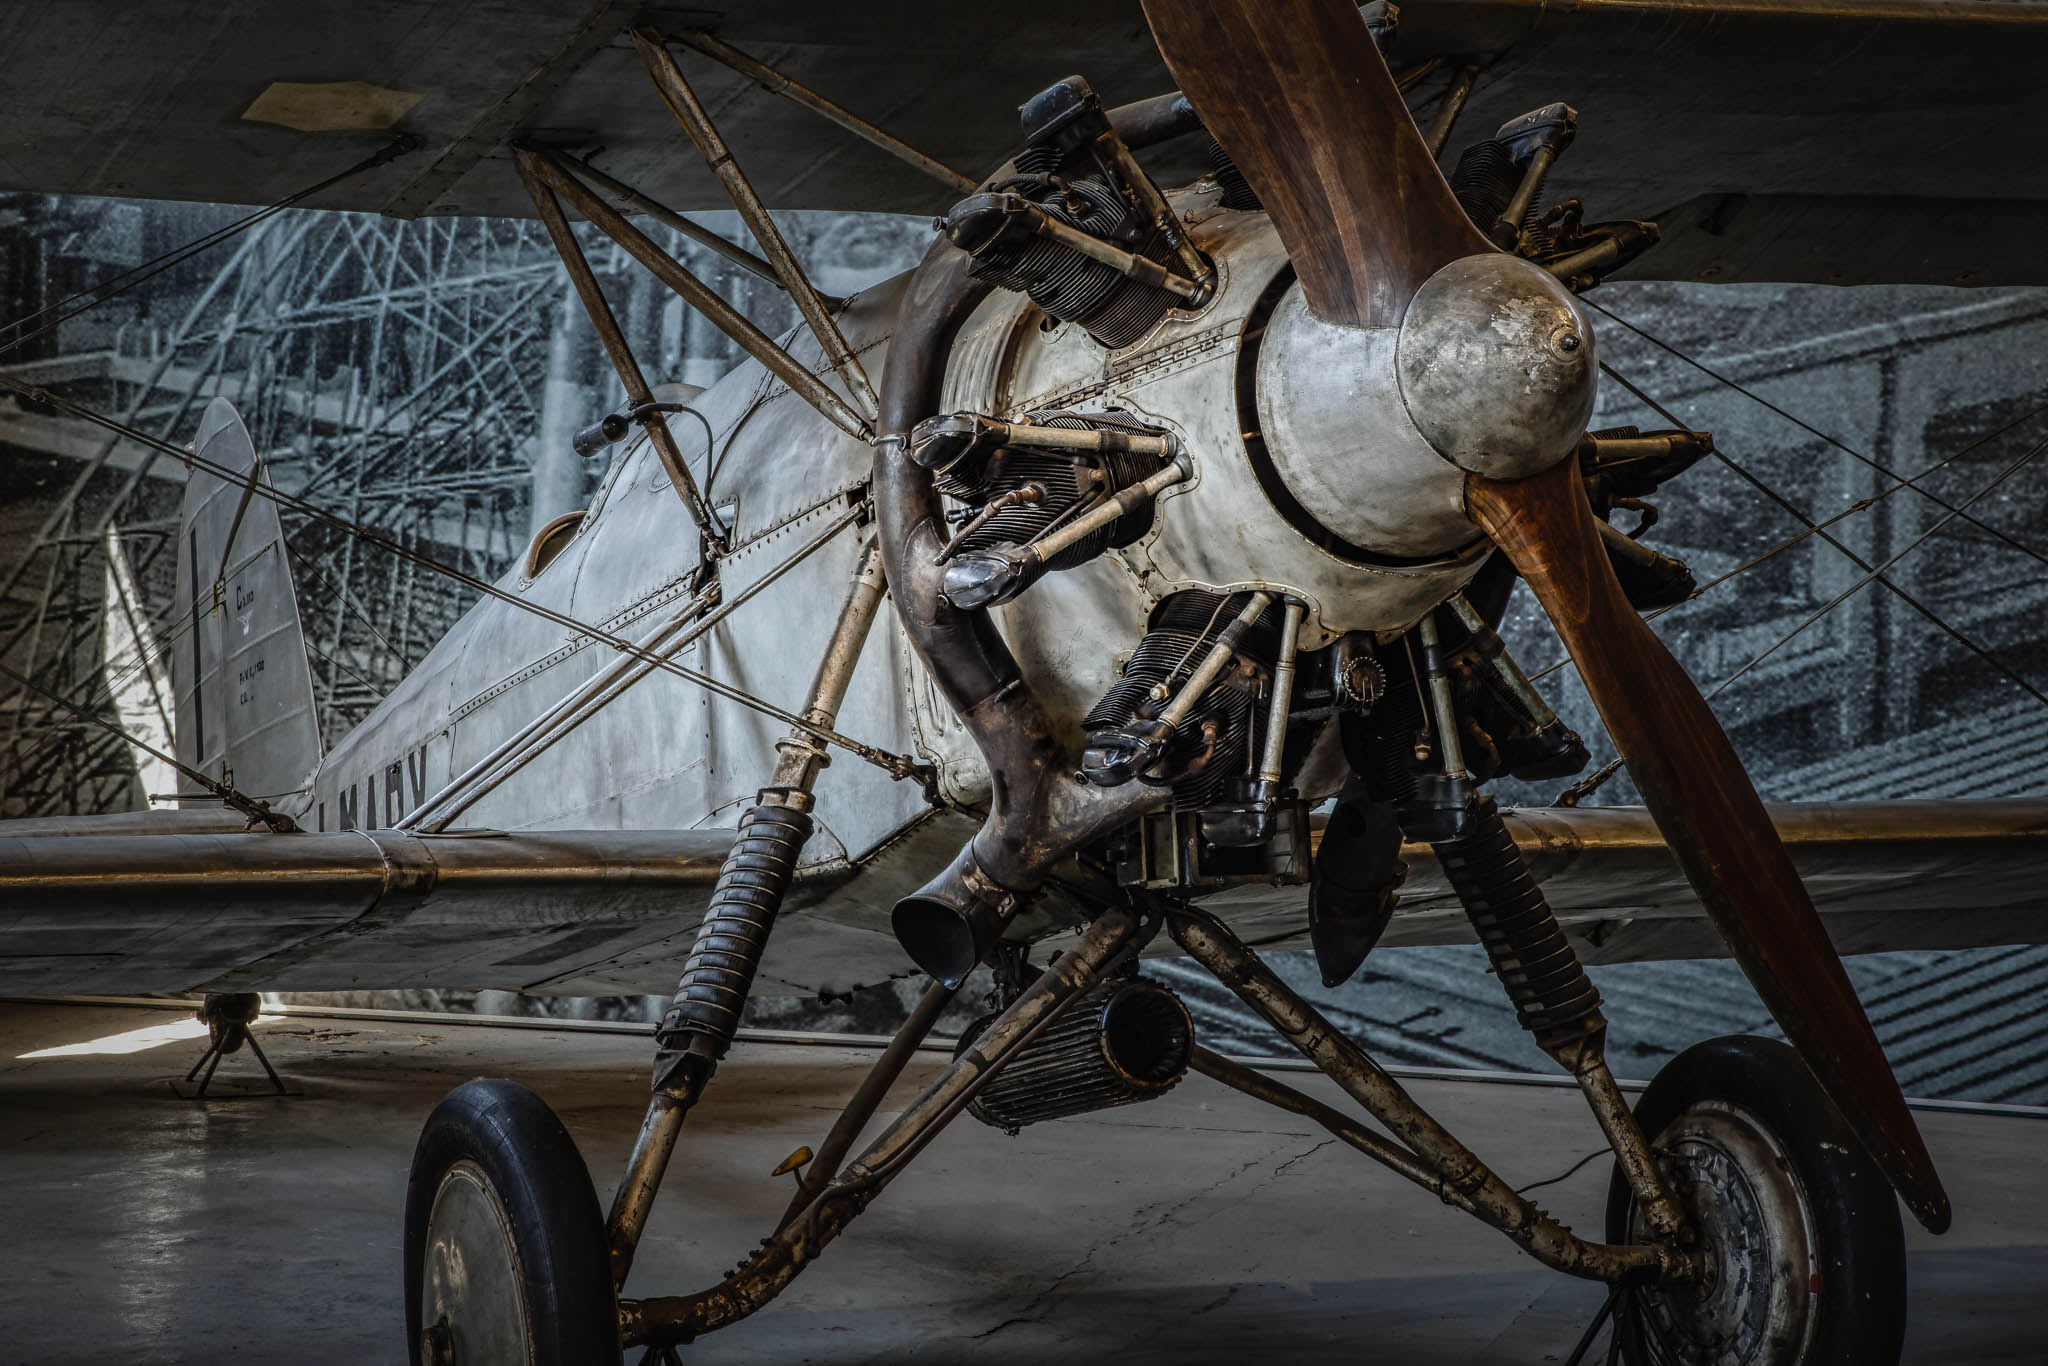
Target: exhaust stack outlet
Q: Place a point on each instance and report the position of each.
(948, 925)
(1129, 1039)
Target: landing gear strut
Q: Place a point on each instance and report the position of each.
(1805, 1256)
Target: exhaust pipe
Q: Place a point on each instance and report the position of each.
(1128, 1040)
(947, 925)
(1039, 813)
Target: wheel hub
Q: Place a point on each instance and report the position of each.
(1755, 1306)
(473, 1298)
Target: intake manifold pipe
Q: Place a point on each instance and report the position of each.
(1038, 813)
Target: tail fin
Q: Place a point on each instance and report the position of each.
(238, 671)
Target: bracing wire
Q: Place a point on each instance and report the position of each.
(897, 765)
(1812, 430)
(1814, 528)
(12, 334)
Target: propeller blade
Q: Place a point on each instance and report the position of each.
(1711, 816)
(1298, 94)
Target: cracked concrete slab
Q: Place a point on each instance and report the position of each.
(1200, 1228)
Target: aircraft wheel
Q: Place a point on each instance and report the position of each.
(1802, 1230)
(505, 1253)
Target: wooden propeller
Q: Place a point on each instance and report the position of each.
(1297, 93)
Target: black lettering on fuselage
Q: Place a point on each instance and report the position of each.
(358, 802)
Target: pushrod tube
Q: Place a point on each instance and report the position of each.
(1487, 1196)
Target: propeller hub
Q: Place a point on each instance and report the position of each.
(1497, 366)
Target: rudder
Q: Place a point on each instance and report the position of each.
(239, 674)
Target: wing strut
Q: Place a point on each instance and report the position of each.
(775, 83)
(683, 103)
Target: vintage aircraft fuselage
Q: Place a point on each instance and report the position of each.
(1310, 477)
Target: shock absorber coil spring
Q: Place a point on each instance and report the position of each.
(1554, 999)
(719, 972)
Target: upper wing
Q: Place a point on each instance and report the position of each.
(590, 912)
(1774, 139)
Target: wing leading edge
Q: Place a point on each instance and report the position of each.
(595, 912)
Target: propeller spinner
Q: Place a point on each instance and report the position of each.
(1495, 366)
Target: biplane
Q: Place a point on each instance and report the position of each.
(1123, 580)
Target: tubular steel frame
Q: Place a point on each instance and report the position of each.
(1420, 1150)
(828, 1199)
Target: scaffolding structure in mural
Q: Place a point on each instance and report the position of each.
(385, 368)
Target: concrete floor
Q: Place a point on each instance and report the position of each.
(1201, 1228)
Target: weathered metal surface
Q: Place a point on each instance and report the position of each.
(1931, 175)
(338, 911)
(775, 83)
(1497, 366)
(799, 1240)
(682, 101)
(1885, 876)
(244, 692)
(1466, 1181)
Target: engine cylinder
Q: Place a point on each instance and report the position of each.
(1127, 1040)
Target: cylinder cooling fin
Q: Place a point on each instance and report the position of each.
(1008, 251)
(1216, 741)
(1128, 1040)
(1060, 488)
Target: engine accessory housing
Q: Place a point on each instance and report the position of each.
(1129, 1039)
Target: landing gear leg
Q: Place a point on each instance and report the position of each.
(1804, 1250)
(507, 1257)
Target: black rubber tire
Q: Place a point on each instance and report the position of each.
(544, 1189)
(1857, 1241)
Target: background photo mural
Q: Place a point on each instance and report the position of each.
(424, 378)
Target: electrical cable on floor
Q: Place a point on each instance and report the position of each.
(1564, 1175)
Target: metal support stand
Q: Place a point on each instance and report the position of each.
(228, 1016)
